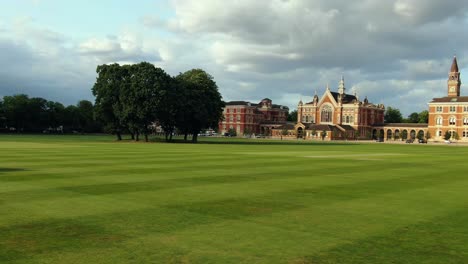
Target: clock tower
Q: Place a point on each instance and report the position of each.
(454, 82)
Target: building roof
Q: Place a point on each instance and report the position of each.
(347, 127)
(238, 103)
(288, 126)
(454, 67)
(458, 99)
(347, 98)
(401, 125)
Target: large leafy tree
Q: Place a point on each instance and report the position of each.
(55, 114)
(393, 115)
(141, 96)
(202, 102)
(170, 106)
(109, 84)
(16, 111)
(2, 116)
(413, 118)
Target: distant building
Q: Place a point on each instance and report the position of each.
(449, 114)
(249, 118)
(335, 115)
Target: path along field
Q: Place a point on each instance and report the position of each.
(76, 199)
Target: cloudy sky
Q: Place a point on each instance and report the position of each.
(394, 52)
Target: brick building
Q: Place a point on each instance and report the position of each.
(336, 115)
(249, 118)
(449, 114)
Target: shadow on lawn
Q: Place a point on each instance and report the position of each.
(235, 141)
(4, 170)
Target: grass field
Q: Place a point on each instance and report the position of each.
(76, 199)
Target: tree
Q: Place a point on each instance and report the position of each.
(232, 132)
(15, 111)
(392, 115)
(141, 96)
(428, 135)
(423, 117)
(107, 88)
(3, 119)
(456, 136)
(169, 107)
(447, 135)
(292, 116)
(203, 105)
(413, 118)
(284, 132)
(55, 115)
(324, 134)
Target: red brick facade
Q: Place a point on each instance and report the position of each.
(248, 118)
(449, 115)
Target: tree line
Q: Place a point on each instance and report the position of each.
(129, 99)
(132, 97)
(393, 115)
(20, 113)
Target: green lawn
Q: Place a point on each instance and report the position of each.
(88, 199)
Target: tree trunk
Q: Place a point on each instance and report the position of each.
(119, 136)
(170, 137)
(166, 135)
(137, 136)
(194, 137)
(185, 136)
(132, 135)
(146, 137)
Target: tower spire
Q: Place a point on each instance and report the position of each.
(341, 86)
(454, 81)
(454, 67)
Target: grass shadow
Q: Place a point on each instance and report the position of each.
(246, 141)
(5, 170)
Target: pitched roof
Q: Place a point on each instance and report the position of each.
(458, 99)
(346, 99)
(422, 125)
(454, 67)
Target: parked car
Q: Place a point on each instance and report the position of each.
(411, 140)
(422, 141)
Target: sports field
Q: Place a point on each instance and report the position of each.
(78, 199)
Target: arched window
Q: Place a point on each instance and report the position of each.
(465, 121)
(439, 120)
(452, 121)
(326, 114)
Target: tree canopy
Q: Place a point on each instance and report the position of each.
(393, 115)
(20, 113)
(133, 97)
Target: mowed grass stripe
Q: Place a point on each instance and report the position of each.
(229, 203)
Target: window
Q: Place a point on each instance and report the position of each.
(326, 114)
(439, 133)
(439, 121)
(452, 121)
(231, 119)
(465, 121)
(453, 108)
(465, 109)
(439, 109)
(238, 118)
(464, 133)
